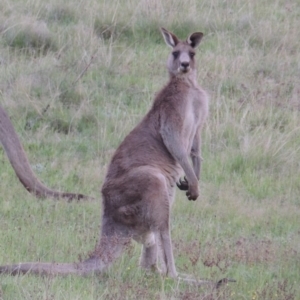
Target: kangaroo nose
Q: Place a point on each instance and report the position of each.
(185, 64)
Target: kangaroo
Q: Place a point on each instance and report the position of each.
(140, 183)
(19, 161)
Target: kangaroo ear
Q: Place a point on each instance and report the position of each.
(170, 38)
(194, 39)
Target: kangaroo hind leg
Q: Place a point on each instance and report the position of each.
(157, 202)
(148, 260)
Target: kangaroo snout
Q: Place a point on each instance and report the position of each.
(185, 66)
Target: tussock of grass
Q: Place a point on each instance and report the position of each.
(68, 94)
(29, 35)
(62, 13)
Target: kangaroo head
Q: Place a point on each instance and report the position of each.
(181, 60)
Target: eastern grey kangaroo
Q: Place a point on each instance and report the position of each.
(140, 183)
(19, 161)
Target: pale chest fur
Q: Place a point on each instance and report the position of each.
(196, 108)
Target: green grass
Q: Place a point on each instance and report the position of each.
(75, 78)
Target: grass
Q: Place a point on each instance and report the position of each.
(76, 78)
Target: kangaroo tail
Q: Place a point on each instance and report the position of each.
(36, 268)
(19, 161)
(106, 252)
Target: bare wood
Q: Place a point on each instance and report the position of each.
(19, 161)
(140, 183)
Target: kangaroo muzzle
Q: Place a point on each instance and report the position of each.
(184, 61)
(184, 67)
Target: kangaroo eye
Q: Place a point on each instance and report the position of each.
(192, 54)
(175, 54)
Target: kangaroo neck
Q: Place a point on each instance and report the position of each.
(189, 78)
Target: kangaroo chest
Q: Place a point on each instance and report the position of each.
(192, 118)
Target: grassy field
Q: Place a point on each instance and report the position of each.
(76, 77)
